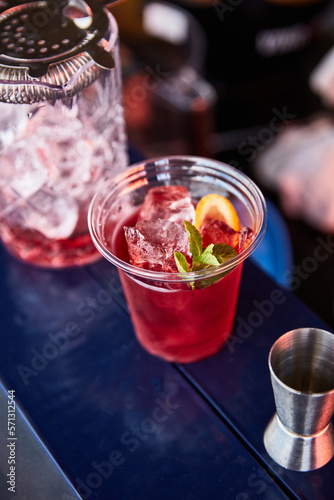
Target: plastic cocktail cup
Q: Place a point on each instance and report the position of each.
(170, 319)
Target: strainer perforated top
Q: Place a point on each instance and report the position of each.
(52, 48)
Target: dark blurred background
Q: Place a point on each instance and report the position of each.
(226, 79)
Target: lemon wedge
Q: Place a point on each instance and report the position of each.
(215, 206)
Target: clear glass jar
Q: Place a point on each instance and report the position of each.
(62, 130)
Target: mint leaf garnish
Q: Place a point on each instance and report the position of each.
(195, 239)
(208, 249)
(202, 259)
(181, 262)
(223, 253)
(207, 258)
(199, 266)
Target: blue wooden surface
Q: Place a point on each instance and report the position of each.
(236, 380)
(120, 423)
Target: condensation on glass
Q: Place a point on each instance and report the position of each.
(62, 129)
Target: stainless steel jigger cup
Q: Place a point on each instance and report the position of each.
(300, 436)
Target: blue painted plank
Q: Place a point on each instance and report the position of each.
(120, 423)
(236, 381)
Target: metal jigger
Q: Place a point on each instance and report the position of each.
(300, 435)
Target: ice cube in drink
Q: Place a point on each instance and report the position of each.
(171, 203)
(152, 243)
(218, 232)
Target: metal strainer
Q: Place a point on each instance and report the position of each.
(51, 48)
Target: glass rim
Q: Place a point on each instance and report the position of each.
(138, 171)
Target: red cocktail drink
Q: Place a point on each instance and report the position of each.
(181, 317)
